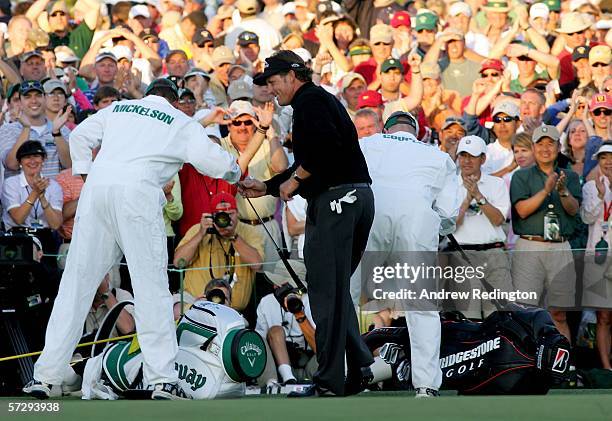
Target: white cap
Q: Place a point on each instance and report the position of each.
(605, 147)
(326, 68)
(576, 4)
(238, 108)
(139, 10)
(604, 24)
(507, 107)
(288, 8)
(121, 51)
(474, 145)
(539, 10)
(460, 8)
(303, 53)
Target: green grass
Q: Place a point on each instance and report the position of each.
(592, 405)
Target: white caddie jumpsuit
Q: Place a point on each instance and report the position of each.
(143, 144)
(416, 194)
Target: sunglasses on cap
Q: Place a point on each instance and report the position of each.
(601, 111)
(239, 123)
(506, 119)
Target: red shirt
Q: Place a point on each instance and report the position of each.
(367, 69)
(196, 193)
(567, 69)
(486, 114)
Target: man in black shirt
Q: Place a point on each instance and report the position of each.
(330, 172)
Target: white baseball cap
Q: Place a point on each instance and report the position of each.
(303, 53)
(460, 8)
(539, 10)
(605, 147)
(238, 108)
(139, 10)
(121, 52)
(507, 107)
(474, 145)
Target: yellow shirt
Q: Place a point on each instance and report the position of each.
(260, 168)
(216, 258)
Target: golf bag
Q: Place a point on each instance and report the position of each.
(510, 352)
(216, 356)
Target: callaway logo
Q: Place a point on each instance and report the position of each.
(471, 354)
(250, 351)
(561, 360)
(195, 379)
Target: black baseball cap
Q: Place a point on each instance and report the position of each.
(177, 80)
(12, 89)
(275, 65)
(29, 148)
(202, 37)
(31, 85)
(162, 82)
(184, 92)
(247, 37)
(581, 52)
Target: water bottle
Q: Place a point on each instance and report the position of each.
(552, 225)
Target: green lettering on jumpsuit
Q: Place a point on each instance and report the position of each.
(147, 112)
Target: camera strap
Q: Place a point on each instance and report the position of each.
(230, 259)
(296, 279)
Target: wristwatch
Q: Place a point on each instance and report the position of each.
(297, 178)
(564, 194)
(482, 201)
(56, 134)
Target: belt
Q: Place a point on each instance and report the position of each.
(542, 239)
(481, 247)
(350, 186)
(255, 222)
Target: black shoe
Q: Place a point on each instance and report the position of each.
(426, 392)
(168, 391)
(312, 391)
(358, 382)
(290, 381)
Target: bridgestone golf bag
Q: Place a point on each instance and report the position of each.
(216, 356)
(510, 352)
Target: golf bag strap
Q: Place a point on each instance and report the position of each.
(107, 326)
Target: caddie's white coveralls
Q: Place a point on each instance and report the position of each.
(416, 192)
(143, 144)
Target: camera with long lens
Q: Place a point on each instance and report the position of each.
(18, 290)
(221, 219)
(216, 295)
(289, 298)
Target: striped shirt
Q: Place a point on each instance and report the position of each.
(9, 133)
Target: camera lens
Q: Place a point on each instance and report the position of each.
(222, 219)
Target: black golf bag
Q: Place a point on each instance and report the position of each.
(510, 352)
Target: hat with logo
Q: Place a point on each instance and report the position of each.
(29, 86)
(29, 148)
(106, 54)
(240, 89)
(248, 7)
(162, 82)
(139, 10)
(280, 275)
(326, 8)
(195, 71)
(553, 5)
(400, 18)
(430, 70)
(573, 22)
(349, 78)
(453, 120)
(202, 37)
(26, 56)
(474, 145)
(507, 107)
(426, 20)
(238, 108)
(65, 54)
(539, 10)
(223, 201)
(600, 101)
(492, 64)
(401, 117)
(53, 84)
(460, 8)
(545, 131)
(600, 54)
(369, 99)
(605, 147)
(381, 33)
(391, 63)
(247, 37)
(275, 65)
(496, 6)
(581, 52)
(222, 55)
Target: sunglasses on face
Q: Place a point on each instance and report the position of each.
(506, 119)
(247, 123)
(382, 43)
(420, 31)
(187, 101)
(524, 58)
(494, 74)
(601, 111)
(599, 65)
(577, 33)
(60, 13)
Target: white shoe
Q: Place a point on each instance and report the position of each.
(42, 390)
(168, 391)
(426, 392)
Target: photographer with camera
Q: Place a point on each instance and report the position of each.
(284, 319)
(220, 247)
(218, 291)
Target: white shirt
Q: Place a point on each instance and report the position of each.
(592, 213)
(476, 227)
(274, 15)
(270, 313)
(498, 157)
(297, 206)
(145, 141)
(478, 43)
(269, 37)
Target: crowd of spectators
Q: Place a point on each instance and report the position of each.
(518, 93)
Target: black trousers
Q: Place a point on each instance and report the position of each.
(332, 250)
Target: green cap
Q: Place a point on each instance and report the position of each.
(162, 82)
(426, 21)
(391, 63)
(553, 5)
